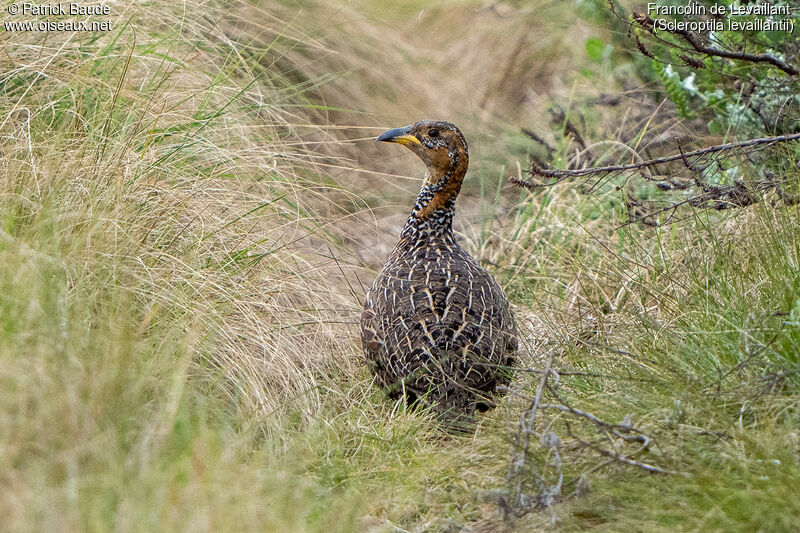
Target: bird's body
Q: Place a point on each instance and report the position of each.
(436, 327)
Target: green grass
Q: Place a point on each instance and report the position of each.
(691, 328)
(182, 262)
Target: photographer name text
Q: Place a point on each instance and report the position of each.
(45, 17)
(70, 9)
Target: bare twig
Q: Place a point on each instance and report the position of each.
(520, 504)
(550, 492)
(619, 457)
(614, 428)
(584, 374)
(640, 437)
(559, 175)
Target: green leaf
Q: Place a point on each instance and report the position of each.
(595, 49)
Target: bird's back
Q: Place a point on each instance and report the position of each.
(437, 327)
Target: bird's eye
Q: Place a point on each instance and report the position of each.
(433, 133)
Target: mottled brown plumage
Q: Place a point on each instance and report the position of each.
(436, 327)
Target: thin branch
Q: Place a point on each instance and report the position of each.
(583, 374)
(600, 423)
(713, 197)
(559, 175)
(526, 428)
(619, 457)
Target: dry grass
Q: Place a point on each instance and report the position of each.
(161, 246)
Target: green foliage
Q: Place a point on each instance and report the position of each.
(597, 50)
(676, 88)
(690, 331)
(744, 97)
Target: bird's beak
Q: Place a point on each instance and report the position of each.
(399, 135)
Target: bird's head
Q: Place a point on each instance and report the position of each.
(440, 145)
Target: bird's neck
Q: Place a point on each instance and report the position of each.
(435, 207)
